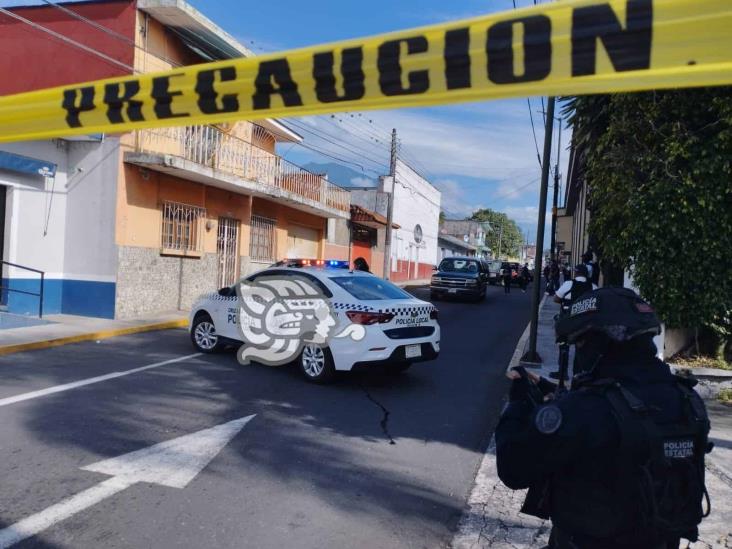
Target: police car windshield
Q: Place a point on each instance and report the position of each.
(370, 287)
(453, 265)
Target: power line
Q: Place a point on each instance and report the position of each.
(325, 137)
(359, 132)
(68, 40)
(368, 128)
(414, 164)
(110, 32)
(533, 131)
(531, 115)
(366, 140)
(511, 191)
(363, 170)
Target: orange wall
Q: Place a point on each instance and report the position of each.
(335, 251)
(284, 215)
(142, 192)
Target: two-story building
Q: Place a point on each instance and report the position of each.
(143, 222)
(470, 232)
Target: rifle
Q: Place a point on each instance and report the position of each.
(563, 368)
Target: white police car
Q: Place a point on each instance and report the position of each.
(397, 328)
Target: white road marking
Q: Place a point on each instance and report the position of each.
(172, 463)
(88, 381)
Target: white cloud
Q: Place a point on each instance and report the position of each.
(522, 214)
(454, 201)
(362, 182)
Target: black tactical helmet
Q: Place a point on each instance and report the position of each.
(619, 313)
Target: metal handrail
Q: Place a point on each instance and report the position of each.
(39, 294)
(214, 148)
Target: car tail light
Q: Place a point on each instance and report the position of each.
(363, 317)
(434, 314)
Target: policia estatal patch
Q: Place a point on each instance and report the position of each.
(548, 419)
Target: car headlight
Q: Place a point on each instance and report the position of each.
(472, 282)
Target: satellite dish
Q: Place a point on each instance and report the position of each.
(418, 233)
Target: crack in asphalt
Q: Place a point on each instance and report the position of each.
(385, 418)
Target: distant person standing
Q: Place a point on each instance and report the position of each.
(507, 279)
(554, 274)
(524, 277)
(593, 272)
(566, 273)
(360, 264)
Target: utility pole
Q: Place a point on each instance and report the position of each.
(553, 251)
(531, 355)
(390, 205)
(500, 238)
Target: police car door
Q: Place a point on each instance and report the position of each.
(226, 313)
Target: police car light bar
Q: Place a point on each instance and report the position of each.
(327, 263)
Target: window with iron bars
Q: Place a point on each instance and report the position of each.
(262, 240)
(182, 229)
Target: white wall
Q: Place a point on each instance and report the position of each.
(35, 211)
(416, 201)
(63, 225)
(90, 251)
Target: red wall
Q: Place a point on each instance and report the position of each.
(424, 271)
(33, 59)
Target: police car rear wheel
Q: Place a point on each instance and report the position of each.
(203, 335)
(316, 363)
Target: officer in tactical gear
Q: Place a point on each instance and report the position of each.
(618, 460)
(572, 289)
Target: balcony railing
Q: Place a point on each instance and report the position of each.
(215, 149)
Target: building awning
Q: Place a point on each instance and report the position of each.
(368, 218)
(196, 30)
(25, 164)
(454, 243)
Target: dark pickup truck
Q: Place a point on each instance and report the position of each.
(460, 276)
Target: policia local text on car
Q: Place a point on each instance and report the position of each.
(618, 461)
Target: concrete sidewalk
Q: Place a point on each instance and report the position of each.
(492, 518)
(64, 329)
(417, 282)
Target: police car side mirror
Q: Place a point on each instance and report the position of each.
(226, 291)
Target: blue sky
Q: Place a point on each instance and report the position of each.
(479, 154)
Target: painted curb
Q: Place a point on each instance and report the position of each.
(491, 517)
(104, 334)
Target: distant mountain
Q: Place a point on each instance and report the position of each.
(341, 175)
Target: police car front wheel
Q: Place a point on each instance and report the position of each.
(316, 363)
(203, 335)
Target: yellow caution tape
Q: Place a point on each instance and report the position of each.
(561, 48)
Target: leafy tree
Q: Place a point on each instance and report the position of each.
(659, 170)
(503, 230)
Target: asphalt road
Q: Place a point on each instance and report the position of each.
(374, 460)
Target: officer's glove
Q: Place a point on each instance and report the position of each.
(525, 390)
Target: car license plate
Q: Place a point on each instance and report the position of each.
(452, 291)
(412, 351)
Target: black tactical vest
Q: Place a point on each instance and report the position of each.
(656, 491)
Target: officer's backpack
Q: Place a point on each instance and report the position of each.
(665, 461)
